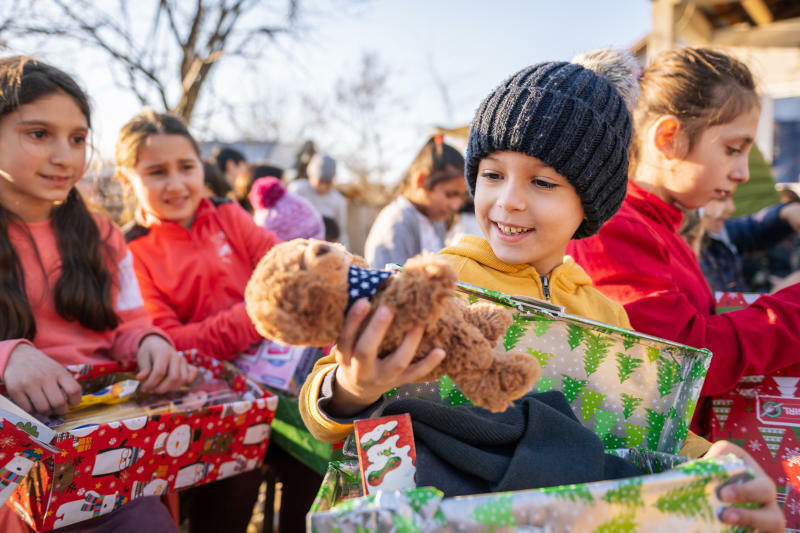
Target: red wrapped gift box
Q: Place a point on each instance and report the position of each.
(92, 470)
(762, 415)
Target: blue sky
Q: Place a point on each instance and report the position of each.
(471, 45)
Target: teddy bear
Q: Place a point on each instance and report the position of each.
(301, 290)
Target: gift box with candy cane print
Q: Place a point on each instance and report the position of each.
(217, 427)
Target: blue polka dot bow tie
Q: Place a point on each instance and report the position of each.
(363, 283)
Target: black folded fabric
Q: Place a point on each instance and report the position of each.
(537, 442)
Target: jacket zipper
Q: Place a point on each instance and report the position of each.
(545, 287)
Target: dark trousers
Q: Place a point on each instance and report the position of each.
(300, 486)
(222, 506)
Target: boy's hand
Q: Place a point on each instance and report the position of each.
(760, 489)
(38, 384)
(163, 368)
(361, 377)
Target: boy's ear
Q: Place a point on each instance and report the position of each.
(419, 180)
(666, 136)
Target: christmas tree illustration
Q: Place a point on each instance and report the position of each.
(629, 404)
(688, 501)
(612, 442)
(545, 383)
(705, 468)
(628, 341)
(604, 421)
(655, 422)
(404, 524)
(419, 498)
(636, 435)
(571, 387)
(514, 332)
(574, 335)
(574, 493)
(623, 523)
(626, 365)
(497, 512)
(629, 493)
(698, 371)
(668, 375)
(543, 357)
(596, 350)
(541, 323)
(451, 394)
(653, 354)
(592, 401)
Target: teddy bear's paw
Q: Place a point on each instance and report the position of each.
(492, 320)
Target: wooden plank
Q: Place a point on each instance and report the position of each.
(785, 33)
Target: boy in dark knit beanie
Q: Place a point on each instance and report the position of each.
(546, 162)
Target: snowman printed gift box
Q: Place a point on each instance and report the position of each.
(114, 455)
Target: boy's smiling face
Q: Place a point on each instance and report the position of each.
(527, 211)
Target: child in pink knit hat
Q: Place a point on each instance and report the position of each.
(283, 213)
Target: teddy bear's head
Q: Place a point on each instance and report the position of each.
(298, 292)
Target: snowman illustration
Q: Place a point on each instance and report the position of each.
(11, 474)
(257, 433)
(114, 460)
(191, 474)
(237, 466)
(174, 443)
(90, 506)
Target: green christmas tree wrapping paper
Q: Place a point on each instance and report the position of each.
(683, 497)
(631, 389)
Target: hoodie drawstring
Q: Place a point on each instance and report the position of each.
(545, 287)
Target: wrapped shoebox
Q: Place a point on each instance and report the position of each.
(762, 415)
(218, 427)
(682, 497)
(633, 390)
(283, 370)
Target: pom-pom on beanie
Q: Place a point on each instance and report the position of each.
(286, 215)
(571, 119)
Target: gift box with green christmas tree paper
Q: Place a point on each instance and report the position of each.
(633, 390)
(677, 496)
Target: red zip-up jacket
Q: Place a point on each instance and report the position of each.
(639, 259)
(193, 281)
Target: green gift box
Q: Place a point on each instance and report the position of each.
(633, 390)
(677, 496)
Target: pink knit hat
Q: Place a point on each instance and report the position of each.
(286, 215)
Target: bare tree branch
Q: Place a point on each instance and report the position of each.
(172, 61)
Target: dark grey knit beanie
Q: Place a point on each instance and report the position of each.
(571, 119)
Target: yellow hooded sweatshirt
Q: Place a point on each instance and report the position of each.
(475, 263)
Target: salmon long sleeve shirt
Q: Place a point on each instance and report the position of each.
(66, 341)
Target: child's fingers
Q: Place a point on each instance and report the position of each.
(366, 349)
(157, 372)
(759, 489)
(352, 321)
(397, 362)
(188, 372)
(417, 371)
(172, 374)
(71, 388)
(38, 400)
(21, 399)
(769, 518)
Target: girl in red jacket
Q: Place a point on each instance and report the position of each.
(694, 125)
(67, 290)
(193, 257)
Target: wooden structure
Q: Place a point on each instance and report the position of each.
(765, 34)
